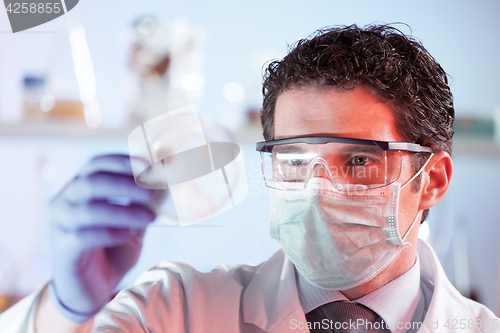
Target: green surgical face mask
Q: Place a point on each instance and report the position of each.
(338, 240)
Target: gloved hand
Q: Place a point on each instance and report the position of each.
(94, 240)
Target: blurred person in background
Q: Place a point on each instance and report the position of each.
(358, 129)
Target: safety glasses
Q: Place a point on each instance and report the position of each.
(288, 164)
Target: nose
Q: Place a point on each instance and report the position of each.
(319, 169)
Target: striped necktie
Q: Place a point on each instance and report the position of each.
(345, 317)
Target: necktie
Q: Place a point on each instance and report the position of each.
(345, 317)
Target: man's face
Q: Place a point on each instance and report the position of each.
(354, 113)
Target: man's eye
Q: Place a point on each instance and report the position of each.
(294, 159)
(359, 160)
(296, 162)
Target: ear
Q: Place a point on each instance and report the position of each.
(435, 179)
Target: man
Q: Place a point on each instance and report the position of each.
(358, 128)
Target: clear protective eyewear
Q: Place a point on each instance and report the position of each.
(349, 163)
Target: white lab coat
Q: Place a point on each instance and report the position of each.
(174, 297)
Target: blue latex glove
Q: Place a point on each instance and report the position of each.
(95, 242)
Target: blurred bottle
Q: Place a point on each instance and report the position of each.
(39, 104)
(165, 67)
(34, 90)
(7, 278)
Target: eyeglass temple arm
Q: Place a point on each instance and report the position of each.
(405, 146)
(412, 147)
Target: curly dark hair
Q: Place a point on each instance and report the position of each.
(382, 59)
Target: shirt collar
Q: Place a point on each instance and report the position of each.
(312, 297)
(394, 302)
(397, 300)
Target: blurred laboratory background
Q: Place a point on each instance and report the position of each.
(75, 87)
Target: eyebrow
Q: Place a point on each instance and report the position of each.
(347, 148)
(361, 149)
(289, 148)
(294, 156)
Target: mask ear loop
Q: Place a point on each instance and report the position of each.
(408, 182)
(418, 172)
(411, 227)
